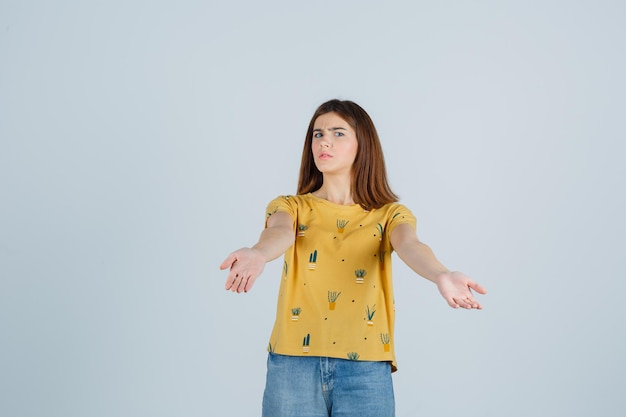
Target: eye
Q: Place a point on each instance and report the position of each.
(317, 135)
(338, 133)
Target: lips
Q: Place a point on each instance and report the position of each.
(325, 155)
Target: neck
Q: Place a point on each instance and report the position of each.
(337, 190)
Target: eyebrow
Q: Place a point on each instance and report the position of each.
(331, 129)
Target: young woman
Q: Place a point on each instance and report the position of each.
(331, 352)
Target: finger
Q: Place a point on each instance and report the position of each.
(228, 262)
(233, 280)
(464, 302)
(473, 303)
(243, 280)
(230, 281)
(452, 303)
(249, 283)
(477, 287)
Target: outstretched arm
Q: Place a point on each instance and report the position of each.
(246, 264)
(455, 287)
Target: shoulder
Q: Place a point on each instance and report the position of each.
(292, 199)
(289, 203)
(393, 214)
(393, 210)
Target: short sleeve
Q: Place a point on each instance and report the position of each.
(284, 203)
(399, 214)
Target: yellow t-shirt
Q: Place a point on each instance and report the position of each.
(336, 294)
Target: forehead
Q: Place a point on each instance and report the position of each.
(330, 120)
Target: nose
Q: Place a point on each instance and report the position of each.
(325, 142)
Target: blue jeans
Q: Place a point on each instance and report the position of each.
(311, 386)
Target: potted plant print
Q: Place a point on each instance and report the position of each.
(360, 275)
(332, 299)
(341, 225)
(312, 260)
(370, 315)
(305, 343)
(384, 337)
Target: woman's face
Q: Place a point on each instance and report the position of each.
(334, 145)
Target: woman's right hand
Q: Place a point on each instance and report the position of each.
(246, 264)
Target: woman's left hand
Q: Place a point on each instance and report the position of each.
(456, 288)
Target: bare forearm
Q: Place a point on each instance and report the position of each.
(274, 241)
(421, 259)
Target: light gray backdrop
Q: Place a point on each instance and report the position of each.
(141, 141)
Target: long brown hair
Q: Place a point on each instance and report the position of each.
(370, 187)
